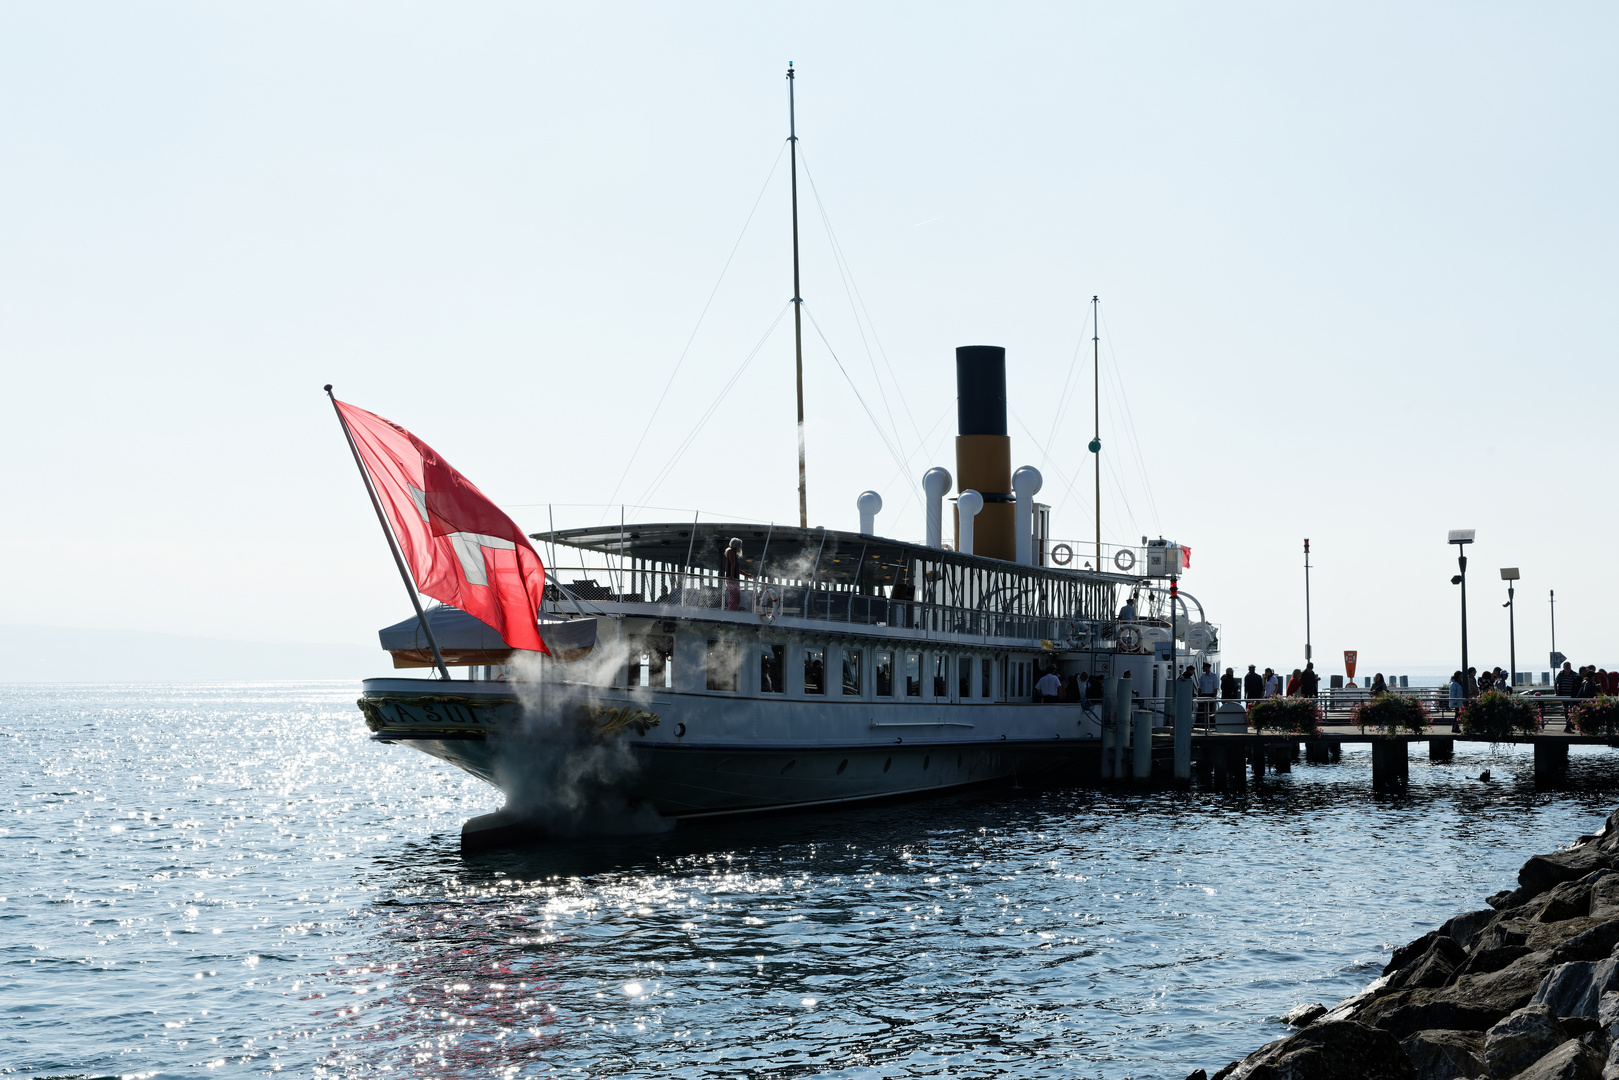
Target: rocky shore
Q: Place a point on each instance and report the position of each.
(1527, 987)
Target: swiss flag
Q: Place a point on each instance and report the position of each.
(462, 549)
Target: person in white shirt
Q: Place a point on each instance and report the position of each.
(1048, 687)
(1273, 684)
(1127, 613)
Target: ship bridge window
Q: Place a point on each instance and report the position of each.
(772, 667)
(885, 674)
(851, 672)
(913, 674)
(651, 661)
(814, 671)
(724, 665)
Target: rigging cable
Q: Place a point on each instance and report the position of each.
(851, 290)
(893, 452)
(647, 428)
(1135, 441)
(668, 467)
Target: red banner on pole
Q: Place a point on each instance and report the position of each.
(462, 549)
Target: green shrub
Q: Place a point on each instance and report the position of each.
(1392, 714)
(1286, 715)
(1498, 715)
(1596, 716)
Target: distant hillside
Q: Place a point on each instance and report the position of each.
(62, 654)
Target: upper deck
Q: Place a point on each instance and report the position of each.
(823, 576)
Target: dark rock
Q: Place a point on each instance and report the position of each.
(1570, 1061)
(1502, 900)
(1576, 989)
(1576, 1026)
(1507, 989)
(1605, 897)
(1569, 901)
(1498, 945)
(1198, 1074)
(1464, 929)
(1436, 966)
(1598, 1040)
(1406, 954)
(1520, 1040)
(1404, 1013)
(1542, 872)
(1340, 1050)
(1225, 1072)
(1594, 944)
(1445, 1055)
(1304, 1015)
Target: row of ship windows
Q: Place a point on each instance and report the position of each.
(893, 673)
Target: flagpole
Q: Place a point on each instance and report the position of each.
(393, 544)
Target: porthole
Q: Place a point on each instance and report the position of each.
(887, 763)
(680, 731)
(844, 764)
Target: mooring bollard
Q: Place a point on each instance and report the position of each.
(1441, 748)
(1551, 763)
(1183, 728)
(1391, 765)
(1141, 767)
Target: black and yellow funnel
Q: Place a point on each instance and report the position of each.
(983, 450)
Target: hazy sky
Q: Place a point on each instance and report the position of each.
(1357, 271)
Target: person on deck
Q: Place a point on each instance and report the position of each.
(1273, 683)
(1127, 613)
(1048, 688)
(1230, 687)
(1293, 681)
(1486, 682)
(1567, 681)
(1253, 684)
(1379, 687)
(1309, 682)
(733, 574)
(1470, 683)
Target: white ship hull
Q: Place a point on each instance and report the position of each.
(710, 754)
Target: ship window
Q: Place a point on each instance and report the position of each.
(772, 664)
(885, 674)
(851, 672)
(724, 665)
(913, 674)
(814, 671)
(650, 661)
(964, 677)
(941, 675)
(989, 675)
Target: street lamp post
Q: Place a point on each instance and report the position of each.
(1509, 574)
(1306, 602)
(1461, 537)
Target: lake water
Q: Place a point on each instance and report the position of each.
(230, 880)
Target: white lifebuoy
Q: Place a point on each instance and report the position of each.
(766, 602)
(1129, 638)
(1062, 554)
(1124, 559)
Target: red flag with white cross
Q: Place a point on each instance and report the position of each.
(462, 549)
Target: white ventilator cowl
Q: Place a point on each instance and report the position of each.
(869, 504)
(968, 503)
(1025, 485)
(935, 482)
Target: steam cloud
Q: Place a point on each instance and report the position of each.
(558, 777)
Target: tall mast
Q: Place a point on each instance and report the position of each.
(798, 306)
(1096, 397)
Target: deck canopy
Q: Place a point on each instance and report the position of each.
(789, 553)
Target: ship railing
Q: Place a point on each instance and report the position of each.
(585, 589)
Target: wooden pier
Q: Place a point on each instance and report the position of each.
(1141, 752)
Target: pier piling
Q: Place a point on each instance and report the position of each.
(1183, 729)
(1123, 708)
(1441, 748)
(1316, 751)
(1281, 757)
(1141, 765)
(1391, 765)
(1551, 763)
